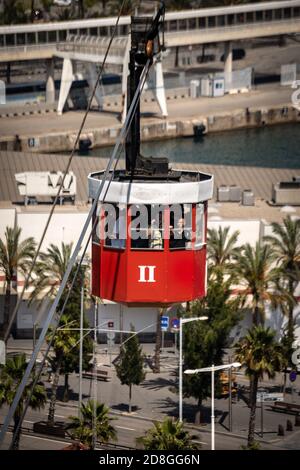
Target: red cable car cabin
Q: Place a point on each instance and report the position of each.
(146, 264)
(149, 238)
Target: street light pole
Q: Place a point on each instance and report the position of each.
(80, 352)
(182, 321)
(180, 370)
(213, 369)
(212, 407)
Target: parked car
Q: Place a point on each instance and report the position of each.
(63, 3)
(237, 54)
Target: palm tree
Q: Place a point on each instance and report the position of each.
(259, 279)
(222, 249)
(93, 423)
(261, 354)
(15, 255)
(286, 245)
(10, 377)
(63, 342)
(169, 435)
(50, 270)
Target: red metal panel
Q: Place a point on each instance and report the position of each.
(180, 277)
(95, 270)
(146, 277)
(113, 274)
(200, 273)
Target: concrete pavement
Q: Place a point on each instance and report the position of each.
(37, 125)
(156, 398)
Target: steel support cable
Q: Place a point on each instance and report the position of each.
(56, 327)
(28, 276)
(73, 258)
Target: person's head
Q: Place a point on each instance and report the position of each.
(180, 223)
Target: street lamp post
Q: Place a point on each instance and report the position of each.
(213, 369)
(182, 321)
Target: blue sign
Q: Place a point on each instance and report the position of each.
(293, 375)
(175, 323)
(164, 323)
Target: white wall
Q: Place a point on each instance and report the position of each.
(7, 219)
(249, 229)
(64, 227)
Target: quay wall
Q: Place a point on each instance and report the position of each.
(158, 129)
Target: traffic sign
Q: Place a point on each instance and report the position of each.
(175, 323)
(263, 396)
(164, 323)
(293, 375)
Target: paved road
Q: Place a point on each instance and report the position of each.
(35, 125)
(129, 428)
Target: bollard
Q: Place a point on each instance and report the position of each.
(280, 430)
(289, 425)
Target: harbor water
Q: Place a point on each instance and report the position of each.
(272, 147)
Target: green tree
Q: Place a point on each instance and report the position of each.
(169, 435)
(63, 342)
(260, 279)
(129, 366)
(15, 256)
(94, 420)
(13, 12)
(10, 377)
(50, 270)
(222, 250)
(285, 244)
(261, 354)
(204, 341)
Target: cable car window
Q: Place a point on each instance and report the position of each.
(147, 227)
(296, 11)
(287, 12)
(181, 227)
(200, 222)
(114, 226)
(278, 14)
(96, 226)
